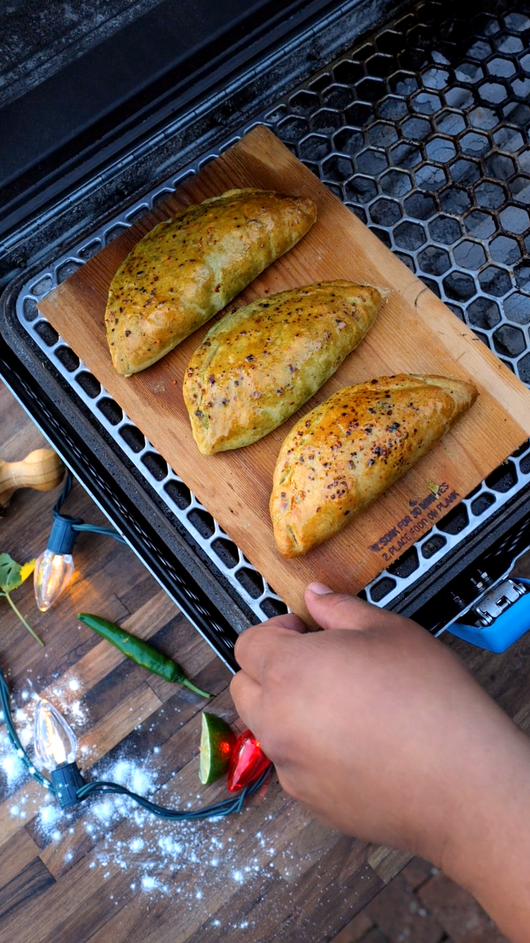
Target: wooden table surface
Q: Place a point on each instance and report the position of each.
(107, 871)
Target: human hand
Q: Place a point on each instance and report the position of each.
(380, 730)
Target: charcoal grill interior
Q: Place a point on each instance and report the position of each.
(419, 125)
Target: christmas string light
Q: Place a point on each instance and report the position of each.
(55, 566)
(55, 742)
(5, 704)
(55, 746)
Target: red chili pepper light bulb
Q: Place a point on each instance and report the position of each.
(247, 763)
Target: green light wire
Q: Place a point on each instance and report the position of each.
(225, 807)
(76, 523)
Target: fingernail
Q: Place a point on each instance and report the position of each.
(320, 589)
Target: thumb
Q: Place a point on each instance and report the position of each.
(340, 610)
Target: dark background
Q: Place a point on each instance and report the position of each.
(76, 73)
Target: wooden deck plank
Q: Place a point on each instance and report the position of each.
(17, 853)
(27, 886)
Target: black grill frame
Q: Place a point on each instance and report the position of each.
(374, 165)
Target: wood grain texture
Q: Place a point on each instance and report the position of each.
(303, 883)
(300, 880)
(415, 333)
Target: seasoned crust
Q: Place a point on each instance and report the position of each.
(189, 267)
(257, 366)
(346, 452)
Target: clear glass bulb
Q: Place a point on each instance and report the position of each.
(55, 741)
(53, 572)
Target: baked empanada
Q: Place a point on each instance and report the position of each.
(188, 268)
(346, 452)
(257, 366)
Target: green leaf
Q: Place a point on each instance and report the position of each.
(13, 574)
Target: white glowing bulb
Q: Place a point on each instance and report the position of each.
(54, 568)
(55, 742)
(53, 572)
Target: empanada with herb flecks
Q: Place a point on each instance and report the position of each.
(259, 364)
(188, 268)
(347, 451)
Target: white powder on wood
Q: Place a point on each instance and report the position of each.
(163, 858)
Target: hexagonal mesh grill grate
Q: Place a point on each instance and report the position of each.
(422, 130)
(426, 140)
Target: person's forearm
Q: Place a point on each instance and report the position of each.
(416, 754)
(490, 856)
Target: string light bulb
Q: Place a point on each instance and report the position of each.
(54, 740)
(247, 762)
(55, 744)
(56, 748)
(54, 567)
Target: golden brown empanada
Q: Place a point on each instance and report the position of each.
(188, 268)
(257, 366)
(341, 456)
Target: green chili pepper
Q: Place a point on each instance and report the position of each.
(139, 651)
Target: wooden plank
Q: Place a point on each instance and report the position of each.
(10, 824)
(49, 916)
(291, 918)
(387, 862)
(117, 724)
(414, 333)
(27, 886)
(17, 854)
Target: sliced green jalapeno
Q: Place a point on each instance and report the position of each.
(142, 653)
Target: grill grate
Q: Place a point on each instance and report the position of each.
(422, 131)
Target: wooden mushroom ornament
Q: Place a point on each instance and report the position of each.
(42, 469)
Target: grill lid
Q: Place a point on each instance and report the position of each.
(80, 85)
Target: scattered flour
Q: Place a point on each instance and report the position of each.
(65, 697)
(189, 859)
(12, 768)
